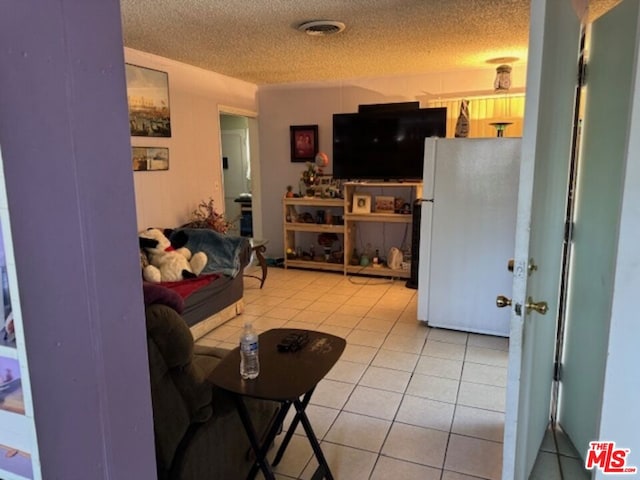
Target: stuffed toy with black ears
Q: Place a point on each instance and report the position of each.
(169, 260)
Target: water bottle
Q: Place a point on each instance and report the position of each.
(249, 361)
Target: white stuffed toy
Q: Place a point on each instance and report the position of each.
(169, 261)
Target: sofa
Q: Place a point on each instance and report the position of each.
(198, 432)
(215, 296)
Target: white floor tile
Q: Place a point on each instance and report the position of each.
(295, 458)
(321, 305)
(435, 388)
(309, 316)
(416, 330)
(395, 360)
(284, 313)
(373, 402)
(473, 456)
(416, 444)
(344, 462)
(366, 338)
(298, 303)
(423, 412)
(344, 371)
(385, 379)
(341, 332)
(332, 394)
(439, 367)
(342, 320)
(487, 374)
(487, 356)
(487, 397)
(359, 301)
(451, 351)
(488, 341)
(478, 423)
(301, 325)
(449, 336)
(358, 431)
(403, 344)
(385, 313)
(321, 419)
(359, 353)
(358, 310)
(448, 475)
(389, 468)
(374, 325)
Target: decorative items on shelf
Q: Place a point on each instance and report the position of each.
(289, 193)
(462, 125)
(361, 203)
(385, 204)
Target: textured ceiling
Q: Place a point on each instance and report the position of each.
(258, 40)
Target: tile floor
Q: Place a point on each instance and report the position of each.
(405, 400)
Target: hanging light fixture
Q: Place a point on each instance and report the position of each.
(502, 83)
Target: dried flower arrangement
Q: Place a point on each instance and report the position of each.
(206, 216)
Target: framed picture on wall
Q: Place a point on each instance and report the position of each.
(304, 142)
(148, 98)
(150, 158)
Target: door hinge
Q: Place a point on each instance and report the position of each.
(557, 372)
(582, 74)
(568, 232)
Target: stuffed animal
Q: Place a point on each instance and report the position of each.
(169, 260)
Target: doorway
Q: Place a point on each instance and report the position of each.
(240, 171)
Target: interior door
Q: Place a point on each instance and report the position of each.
(610, 76)
(554, 45)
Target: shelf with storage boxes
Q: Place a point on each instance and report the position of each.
(314, 233)
(378, 219)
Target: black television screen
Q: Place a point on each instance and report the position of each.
(384, 146)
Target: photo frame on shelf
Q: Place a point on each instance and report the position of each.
(304, 142)
(150, 158)
(361, 203)
(148, 98)
(384, 204)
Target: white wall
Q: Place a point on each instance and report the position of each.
(620, 418)
(314, 104)
(166, 198)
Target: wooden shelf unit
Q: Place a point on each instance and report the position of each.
(346, 231)
(294, 230)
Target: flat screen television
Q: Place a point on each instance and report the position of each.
(384, 146)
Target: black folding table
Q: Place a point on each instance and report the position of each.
(288, 378)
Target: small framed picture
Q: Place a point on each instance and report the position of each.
(304, 142)
(385, 204)
(361, 203)
(150, 158)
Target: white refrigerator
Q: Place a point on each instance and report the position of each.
(467, 232)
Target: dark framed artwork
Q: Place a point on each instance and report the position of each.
(304, 142)
(150, 158)
(148, 98)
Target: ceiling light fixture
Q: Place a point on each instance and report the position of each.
(321, 28)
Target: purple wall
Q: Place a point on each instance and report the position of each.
(66, 147)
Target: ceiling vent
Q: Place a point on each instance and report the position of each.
(321, 28)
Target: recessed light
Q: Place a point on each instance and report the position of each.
(321, 27)
(500, 60)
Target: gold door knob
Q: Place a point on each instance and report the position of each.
(540, 307)
(502, 301)
(510, 264)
